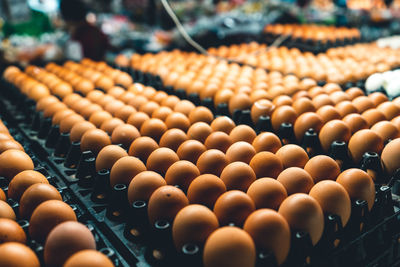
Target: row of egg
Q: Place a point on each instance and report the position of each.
(51, 221)
(313, 32)
(113, 149)
(339, 65)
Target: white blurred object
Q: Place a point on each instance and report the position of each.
(389, 81)
(73, 50)
(374, 82)
(393, 88)
(392, 42)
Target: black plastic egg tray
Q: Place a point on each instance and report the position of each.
(123, 232)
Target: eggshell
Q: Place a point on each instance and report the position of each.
(373, 116)
(177, 120)
(306, 121)
(296, 180)
(239, 101)
(282, 100)
(390, 156)
(13, 162)
(364, 141)
(262, 107)
(98, 117)
(94, 140)
(334, 130)
(165, 203)
(143, 185)
(161, 159)
(142, 147)
(355, 122)
(181, 174)
(137, 119)
(378, 98)
(79, 129)
(173, 138)
(283, 114)
(345, 107)
(125, 112)
(22, 181)
(223, 124)
(11, 231)
(233, 207)
(389, 109)
(359, 185)
(109, 125)
(205, 190)
(267, 193)
(48, 215)
(303, 213)
(242, 133)
(292, 156)
(363, 103)
(2, 195)
(59, 115)
(34, 195)
(153, 128)
(149, 107)
(51, 109)
(88, 258)
(161, 113)
(10, 144)
(354, 92)
(124, 169)
(113, 106)
(212, 161)
(192, 225)
(267, 142)
(108, 155)
(240, 151)
(322, 167)
(386, 130)
(199, 131)
(239, 251)
(333, 199)
(328, 113)
(238, 175)
(218, 140)
(124, 134)
(69, 121)
(303, 105)
(17, 254)
(66, 239)
(6, 211)
(266, 164)
(270, 232)
(190, 150)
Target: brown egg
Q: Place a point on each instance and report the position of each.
(386, 130)
(80, 105)
(192, 225)
(177, 120)
(242, 133)
(283, 114)
(22, 181)
(296, 180)
(233, 207)
(4, 136)
(89, 110)
(267, 142)
(161, 113)
(11, 231)
(66, 239)
(238, 176)
(218, 140)
(322, 167)
(60, 115)
(267, 193)
(359, 185)
(317, 90)
(110, 124)
(345, 107)
(2, 195)
(124, 169)
(305, 122)
(303, 105)
(239, 251)
(262, 107)
(270, 232)
(328, 113)
(339, 96)
(173, 138)
(373, 116)
(108, 155)
(378, 98)
(301, 94)
(212, 161)
(104, 82)
(62, 89)
(69, 121)
(266, 164)
(17, 254)
(390, 156)
(282, 100)
(45, 102)
(239, 101)
(94, 140)
(143, 185)
(149, 107)
(292, 156)
(396, 122)
(355, 122)
(79, 129)
(354, 92)
(98, 117)
(124, 134)
(184, 107)
(137, 119)
(205, 190)
(322, 100)
(334, 130)
(333, 199)
(223, 124)
(34, 196)
(160, 96)
(363, 103)
(199, 131)
(48, 215)
(95, 96)
(389, 109)
(165, 203)
(138, 101)
(142, 147)
(161, 159)
(153, 128)
(13, 162)
(201, 114)
(240, 151)
(181, 174)
(364, 141)
(191, 150)
(88, 258)
(6, 211)
(303, 213)
(51, 109)
(10, 144)
(125, 112)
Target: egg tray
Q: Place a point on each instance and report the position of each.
(139, 244)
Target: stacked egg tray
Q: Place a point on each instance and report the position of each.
(371, 238)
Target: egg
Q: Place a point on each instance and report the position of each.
(138, 101)
(201, 114)
(270, 232)
(34, 195)
(267, 142)
(223, 124)
(124, 134)
(10, 144)
(161, 113)
(238, 176)
(363, 103)
(11, 231)
(142, 147)
(239, 251)
(13, 162)
(2, 195)
(66, 239)
(373, 116)
(153, 128)
(292, 156)
(322, 167)
(305, 122)
(79, 129)
(51, 109)
(165, 203)
(354, 92)
(205, 189)
(267, 193)
(17, 254)
(125, 169)
(303, 105)
(113, 106)
(283, 114)
(69, 121)
(137, 119)
(173, 138)
(80, 105)
(334, 130)
(364, 141)
(239, 101)
(149, 107)
(98, 117)
(143, 185)
(303, 213)
(296, 180)
(59, 115)
(94, 140)
(48, 215)
(242, 133)
(240, 151)
(218, 140)
(389, 109)
(192, 225)
(88, 258)
(233, 207)
(22, 181)
(266, 164)
(181, 174)
(6, 211)
(378, 98)
(190, 150)
(282, 100)
(262, 107)
(355, 122)
(333, 199)
(386, 130)
(359, 185)
(390, 156)
(328, 113)
(199, 131)
(212, 161)
(177, 120)
(161, 159)
(108, 155)
(124, 112)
